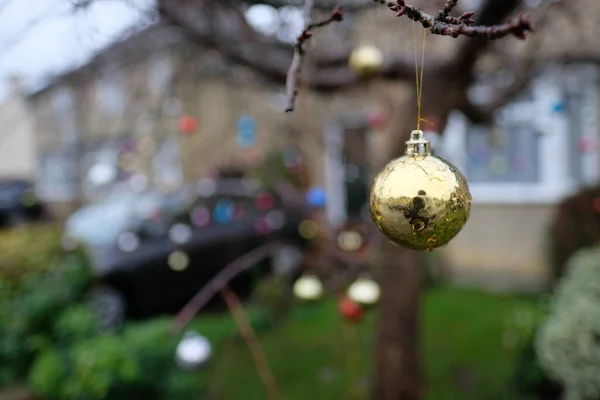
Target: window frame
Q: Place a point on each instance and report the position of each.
(555, 180)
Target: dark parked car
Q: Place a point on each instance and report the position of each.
(19, 204)
(153, 252)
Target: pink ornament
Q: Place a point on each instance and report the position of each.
(586, 144)
(377, 120)
(200, 216)
(262, 227)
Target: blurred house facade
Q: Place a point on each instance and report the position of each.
(17, 139)
(116, 121)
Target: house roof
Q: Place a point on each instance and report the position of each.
(134, 46)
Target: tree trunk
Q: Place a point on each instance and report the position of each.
(397, 368)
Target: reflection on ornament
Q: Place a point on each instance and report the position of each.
(223, 211)
(146, 146)
(193, 351)
(596, 204)
(420, 201)
(350, 241)
(128, 242)
(350, 310)
(180, 233)
(308, 287)
(178, 260)
(172, 107)
(499, 166)
(275, 219)
(316, 197)
(586, 144)
(200, 216)
(364, 291)
(265, 201)
(308, 229)
(366, 60)
(187, 124)
(261, 226)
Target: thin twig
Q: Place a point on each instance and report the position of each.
(208, 291)
(443, 24)
(296, 65)
(258, 355)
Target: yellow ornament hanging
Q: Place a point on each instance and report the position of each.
(420, 201)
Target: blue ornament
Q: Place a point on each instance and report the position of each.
(316, 197)
(246, 124)
(559, 107)
(246, 139)
(223, 211)
(246, 127)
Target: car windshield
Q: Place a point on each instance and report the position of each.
(100, 224)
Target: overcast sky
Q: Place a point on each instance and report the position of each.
(39, 38)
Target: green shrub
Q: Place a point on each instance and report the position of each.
(37, 282)
(576, 225)
(568, 342)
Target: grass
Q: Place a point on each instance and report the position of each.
(314, 355)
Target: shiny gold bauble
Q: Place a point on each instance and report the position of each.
(420, 201)
(366, 60)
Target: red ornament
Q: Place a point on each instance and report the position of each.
(377, 120)
(265, 201)
(350, 310)
(596, 205)
(188, 124)
(586, 144)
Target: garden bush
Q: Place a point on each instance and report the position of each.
(37, 281)
(568, 342)
(50, 341)
(576, 225)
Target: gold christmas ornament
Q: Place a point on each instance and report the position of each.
(366, 60)
(420, 201)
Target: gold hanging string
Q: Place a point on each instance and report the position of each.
(419, 74)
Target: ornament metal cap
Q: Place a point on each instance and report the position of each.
(417, 145)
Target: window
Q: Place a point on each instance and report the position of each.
(167, 165)
(63, 105)
(111, 93)
(509, 152)
(541, 147)
(160, 73)
(57, 176)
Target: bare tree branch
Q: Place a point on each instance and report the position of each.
(442, 24)
(296, 64)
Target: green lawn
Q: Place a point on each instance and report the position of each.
(315, 356)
